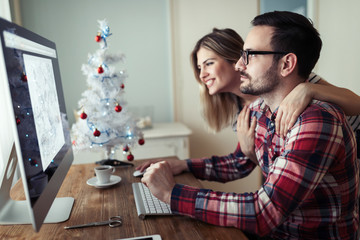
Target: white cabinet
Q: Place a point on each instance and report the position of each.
(162, 140)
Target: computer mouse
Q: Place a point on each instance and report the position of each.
(137, 173)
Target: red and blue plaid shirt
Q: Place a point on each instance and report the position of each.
(311, 180)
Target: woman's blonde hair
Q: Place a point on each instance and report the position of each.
(219, 110)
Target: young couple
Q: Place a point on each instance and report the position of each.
(304, 146)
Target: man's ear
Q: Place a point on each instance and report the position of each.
(288, 64)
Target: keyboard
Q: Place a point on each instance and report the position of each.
(147, 204)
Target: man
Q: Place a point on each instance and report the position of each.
(311, 176)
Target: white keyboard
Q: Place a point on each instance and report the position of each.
(146, 203)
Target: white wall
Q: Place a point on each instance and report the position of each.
(6, 137)
(5, 10)
(140, 30)
(339, 27)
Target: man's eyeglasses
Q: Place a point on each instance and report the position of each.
(245, 54)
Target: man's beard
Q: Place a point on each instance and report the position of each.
(271, 81)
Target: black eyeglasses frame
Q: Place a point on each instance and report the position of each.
(245, 58)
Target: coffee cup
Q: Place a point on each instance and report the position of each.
(103, 173)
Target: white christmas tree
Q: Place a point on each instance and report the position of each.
(103, 118)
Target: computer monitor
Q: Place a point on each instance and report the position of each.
(33, 112)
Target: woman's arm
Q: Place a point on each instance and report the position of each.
(245, 131)
(298, 99)
(345, 98)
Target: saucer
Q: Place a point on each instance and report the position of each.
(113, 180)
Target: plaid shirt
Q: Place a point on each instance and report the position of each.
(311, 186)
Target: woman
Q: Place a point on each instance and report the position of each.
(213, 61)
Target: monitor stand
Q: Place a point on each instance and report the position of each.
(14, 212)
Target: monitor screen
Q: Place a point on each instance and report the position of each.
(37, 115)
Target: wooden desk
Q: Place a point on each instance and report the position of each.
(94, 204)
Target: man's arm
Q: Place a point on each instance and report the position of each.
(222, 169)
(159, 174)
(293, 176)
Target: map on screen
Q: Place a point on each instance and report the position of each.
(45, 105)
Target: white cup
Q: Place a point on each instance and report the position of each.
(103, 173)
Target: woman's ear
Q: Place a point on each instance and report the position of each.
(289, 63)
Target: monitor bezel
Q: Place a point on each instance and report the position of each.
(38, 210)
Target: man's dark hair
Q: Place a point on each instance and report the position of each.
(293, 33)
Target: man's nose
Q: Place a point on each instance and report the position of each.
(240, 66)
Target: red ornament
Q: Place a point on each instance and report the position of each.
(98, 37)
(100, 69)
(118, 108)
(17, 121)
(83, 115)
(130, 157)
(126, 148)
(141, 141)
(122, 86)
(23, 77)
(96, 132)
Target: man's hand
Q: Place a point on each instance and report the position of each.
(160, 181)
